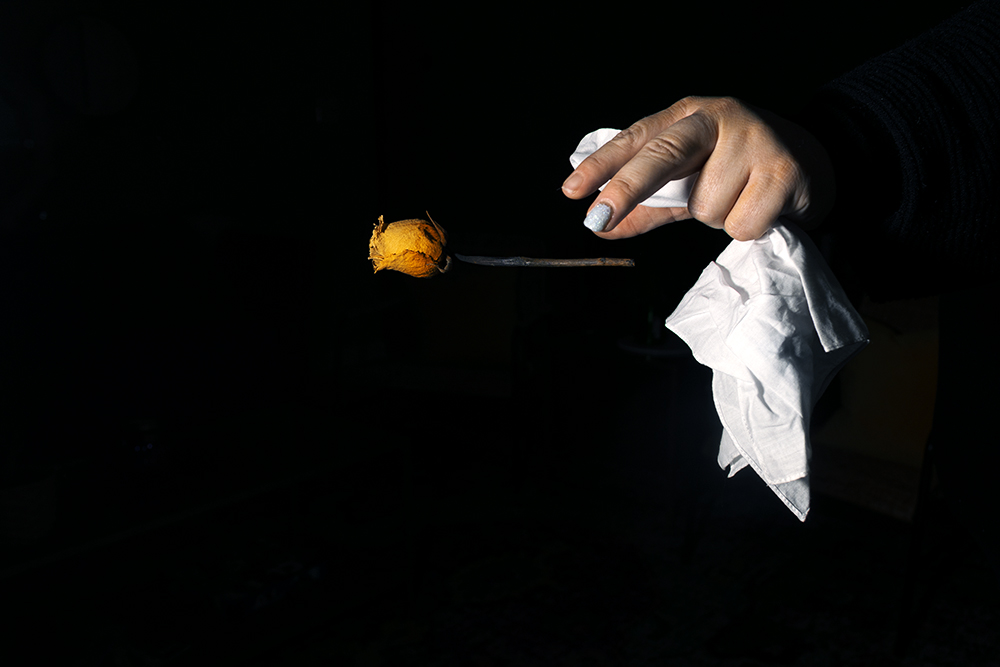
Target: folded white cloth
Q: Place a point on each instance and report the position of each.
(772, 322)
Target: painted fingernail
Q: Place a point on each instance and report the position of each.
(573, 182)
(598, 218)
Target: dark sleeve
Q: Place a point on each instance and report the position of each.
(914, 137)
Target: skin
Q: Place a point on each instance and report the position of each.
(755, 167)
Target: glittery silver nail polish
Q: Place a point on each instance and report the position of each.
(598, 218)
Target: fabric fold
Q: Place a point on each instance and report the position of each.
(773, 351)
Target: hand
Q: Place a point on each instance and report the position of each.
(755, 167)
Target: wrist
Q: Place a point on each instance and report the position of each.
(864, 169)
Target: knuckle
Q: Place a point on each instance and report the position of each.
(595, 164)
(678, 109)
(722, 108)
(666, 148)
(760, 133)
(729, 104)
(624, 188)
(692, 103)
(689, 103)
(787, 172)
(732, 114)
(780, 177)
(740, 229)
(702, 211)
(631, 136)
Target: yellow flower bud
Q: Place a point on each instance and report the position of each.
(414, 247)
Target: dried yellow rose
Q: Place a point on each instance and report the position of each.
(414, 247)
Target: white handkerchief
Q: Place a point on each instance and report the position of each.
(772, 322)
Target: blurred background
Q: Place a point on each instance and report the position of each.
(224, 440)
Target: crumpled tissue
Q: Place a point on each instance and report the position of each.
(770, 319)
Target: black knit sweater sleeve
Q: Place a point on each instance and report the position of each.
(914, 136)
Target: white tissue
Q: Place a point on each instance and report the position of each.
(772, 322)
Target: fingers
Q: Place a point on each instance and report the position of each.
(754, 167)
(637, 173)
(643, 219)
(733, 194)
(756, 209)
(605, 162)
(677, 152)
(719, 185)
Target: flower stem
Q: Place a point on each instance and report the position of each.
(534, 261)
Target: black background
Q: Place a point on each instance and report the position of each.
(189, 323)
(184, 188)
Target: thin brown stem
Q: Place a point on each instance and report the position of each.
(535, 261)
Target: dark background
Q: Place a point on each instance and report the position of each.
(241, 443)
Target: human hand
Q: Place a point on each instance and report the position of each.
(755, 167)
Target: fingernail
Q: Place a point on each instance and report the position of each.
(573, 182)
(598, 218)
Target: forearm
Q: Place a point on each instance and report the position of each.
(915, 142)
